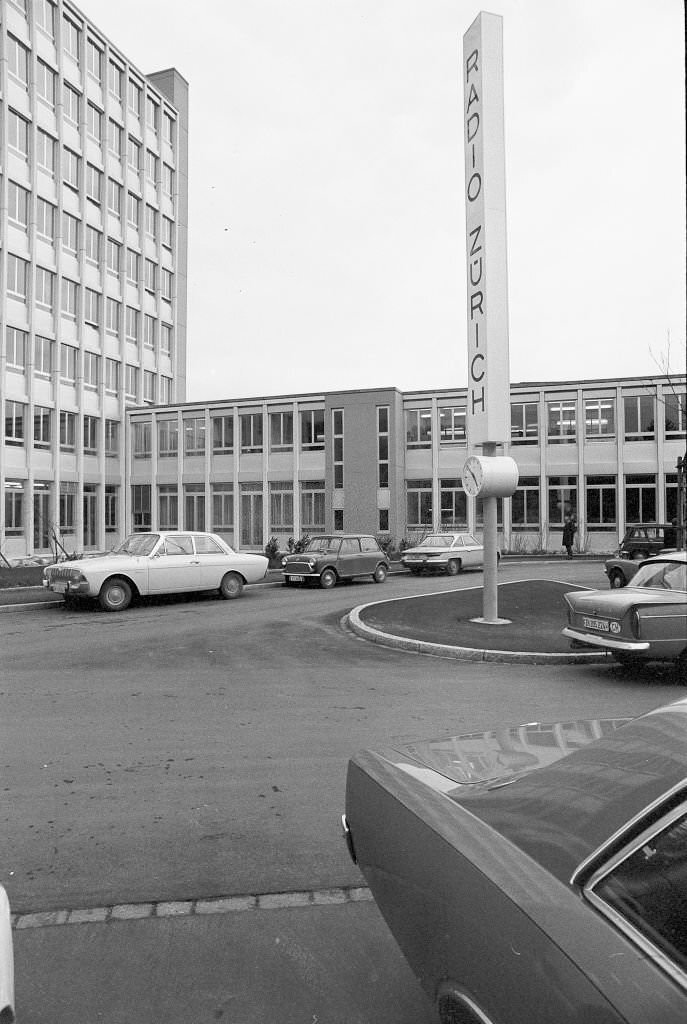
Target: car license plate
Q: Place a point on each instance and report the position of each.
(60, 587)
(296, 579)
(601, 624)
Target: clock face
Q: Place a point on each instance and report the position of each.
(473, 476)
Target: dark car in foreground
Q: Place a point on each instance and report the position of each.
(644, 621)
(534, 874)
(329, 558)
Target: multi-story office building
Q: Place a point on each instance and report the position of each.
(379, 461)
(93, 243)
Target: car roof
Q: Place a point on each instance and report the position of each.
(667, 556)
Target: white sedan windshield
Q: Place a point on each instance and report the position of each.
(137, 544)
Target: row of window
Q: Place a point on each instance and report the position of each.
(222, 428)
(72, 37)
(17, 349)
(17, 429)
(560, 493)
(45, 288)
(639, 421)
(45, 523)
(19, 213)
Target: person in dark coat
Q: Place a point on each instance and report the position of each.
(569, 531)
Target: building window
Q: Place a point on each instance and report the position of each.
(132, 325)
(149, 331)
(115, 137)
(90, 435)
(168, 439)
(223, 434)
(601, 502)
(150, 275)
(454, 506)
(338, 447)
(94, 122)
(312, 430)
(149, 386)
(71, 104)
(132, 266)
(152, 113)
(133, 155)
(524, 423)
(111, 439)
(93, 242)
(68, 359)
(111, 503)
(168, 181)
(112, 376)
(134, 97)
(166, 284)
(599, 418)
(71, 38)
(46, 153)
(70, 233)
(338, 519)
(42, 421)
(42, 356)
(18, 205)
(15, 415)
(675, 415)
(640, 498)
(18, 61)
(194, 506)
(452, 425)
(131, 381)
(419, 504)
(14, 508)
(114, 257)
(112, 312)
(383, 446)
(222, 506)
(115, 76)
(281, 431)
(639, 418)
(91, 370)
(168, 506)
(67, 507)
(94, 61)
(312, 506)
(167, 232)
(194, 435)
(114, 198)
(281, 506)
(562, 499)
(92, 307)
(45, 220)
(479, 512)
(141, 439)
(17, 277)
(133, 205)
(15, 349)
(71, 169)
(562, 422)
(165, 390)
(383, 520)
(140, 507)
(70, 298)
(151, 222)
(18, 134)
(418, 428)
(525, 504)
(151, 167)
(46, 84)
(166, 339)
(46, 16)
(251, 432)
(672, 498)
(167, 128)
(45, 286)
(67, 431)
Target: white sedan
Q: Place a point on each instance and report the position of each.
(445, 552)
(6, 962)
(168, 562)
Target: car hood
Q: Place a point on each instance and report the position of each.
(101, 563)
(617, 602)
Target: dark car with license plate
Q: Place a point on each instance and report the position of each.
(534, 874)
(329, 558)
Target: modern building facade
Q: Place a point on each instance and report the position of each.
(379, 461)
(93, 243)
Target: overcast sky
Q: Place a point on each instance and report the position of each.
(326, 239)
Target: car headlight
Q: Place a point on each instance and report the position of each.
(283, 562)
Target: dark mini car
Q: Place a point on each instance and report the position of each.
(647, 539)
(534, 874)
(329, 558)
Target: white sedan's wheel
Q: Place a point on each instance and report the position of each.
(231, 586)
(115, 595)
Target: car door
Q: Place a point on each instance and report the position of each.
(473, 553)
(350, 557)
(371, 555)
(174, 567)
(213, 561)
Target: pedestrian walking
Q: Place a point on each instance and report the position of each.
(569, 531)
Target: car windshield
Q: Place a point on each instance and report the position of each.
(437, 540)
(323, 544)
(664, 575)
(137, 544)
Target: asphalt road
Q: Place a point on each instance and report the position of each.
(196, 749)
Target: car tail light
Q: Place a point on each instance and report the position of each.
(635, 624)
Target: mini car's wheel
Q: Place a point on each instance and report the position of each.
(380, 573)
(453, 567)
(115, 595)
(616, 579)
(231, 586)
(328, 579)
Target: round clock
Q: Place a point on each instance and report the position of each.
(490, 476)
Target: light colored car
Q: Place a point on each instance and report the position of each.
(534, 874)
(445, 552)
(7, 1014)
(168, 562)
(329, 558)
(645, 620)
